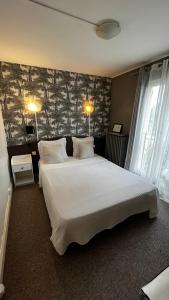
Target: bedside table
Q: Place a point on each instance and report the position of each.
(22, 169)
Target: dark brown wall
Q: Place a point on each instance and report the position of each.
(123, 95)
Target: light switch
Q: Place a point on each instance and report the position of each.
(33, 152)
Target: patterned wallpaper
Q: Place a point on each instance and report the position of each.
(61, 94)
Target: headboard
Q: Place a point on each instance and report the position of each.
(100, 143)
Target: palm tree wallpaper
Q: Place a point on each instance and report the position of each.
(61, 94)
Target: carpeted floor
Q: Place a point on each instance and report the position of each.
(113, 265)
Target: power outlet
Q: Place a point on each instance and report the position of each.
(33, 152)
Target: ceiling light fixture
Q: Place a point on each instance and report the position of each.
(105, 29)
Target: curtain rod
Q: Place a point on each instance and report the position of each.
(136, 69)
(157, 60)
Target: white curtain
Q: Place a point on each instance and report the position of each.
(150, 149)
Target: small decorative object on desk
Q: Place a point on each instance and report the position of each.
(22, 169)
(117, 128)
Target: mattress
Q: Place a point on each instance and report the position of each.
(84, 197)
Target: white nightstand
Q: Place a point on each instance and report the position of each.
(22, 169)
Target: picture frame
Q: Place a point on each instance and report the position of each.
(117, 128)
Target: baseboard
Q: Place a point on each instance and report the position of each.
(4, 239)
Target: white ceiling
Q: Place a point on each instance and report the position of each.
(34, 35)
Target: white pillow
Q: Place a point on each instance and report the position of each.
(61, 141)
(76, 142)
(52, 154)
(86, 150)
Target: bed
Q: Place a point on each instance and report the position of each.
(84, 197)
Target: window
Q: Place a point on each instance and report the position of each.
(150, 148)
(148, 130)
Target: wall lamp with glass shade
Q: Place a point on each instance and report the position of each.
(33, 105)
(88, 108)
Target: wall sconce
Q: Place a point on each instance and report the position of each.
(34, 106)
(88, 108)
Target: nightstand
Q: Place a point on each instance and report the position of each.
(22, 169)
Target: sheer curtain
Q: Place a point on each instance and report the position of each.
(150, 148)
(140, 93)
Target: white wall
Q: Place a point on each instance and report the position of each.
(4, 194)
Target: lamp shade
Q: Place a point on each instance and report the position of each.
(88, 107)
(32, 104)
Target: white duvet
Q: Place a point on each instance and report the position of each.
(84, 197)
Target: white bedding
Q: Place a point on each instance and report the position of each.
(84, 197)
